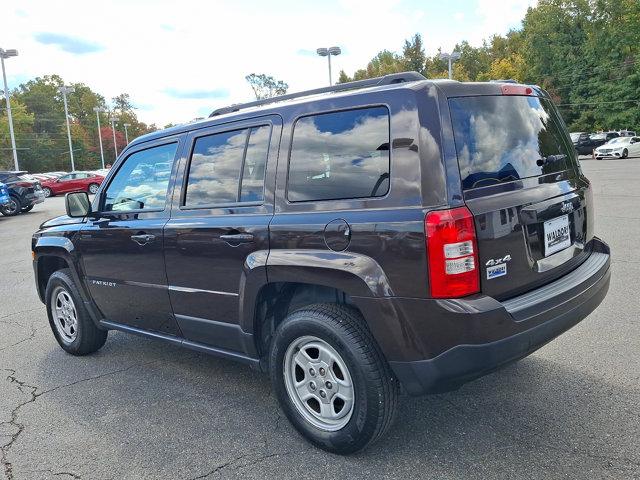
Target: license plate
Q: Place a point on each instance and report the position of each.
(556, 235)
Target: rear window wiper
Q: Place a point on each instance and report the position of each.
(550, 159)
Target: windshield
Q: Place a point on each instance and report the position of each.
(505, 138)
(620, 140)
(575, 137)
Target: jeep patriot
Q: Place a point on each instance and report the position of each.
(388, 235)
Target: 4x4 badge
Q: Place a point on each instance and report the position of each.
(497, 261)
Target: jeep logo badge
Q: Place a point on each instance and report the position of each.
(567, 207)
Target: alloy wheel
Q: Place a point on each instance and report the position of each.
(65, 316)
(318, 383)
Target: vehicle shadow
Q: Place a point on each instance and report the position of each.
(536, 415)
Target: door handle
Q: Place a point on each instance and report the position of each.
(143, 238)
(237, 238)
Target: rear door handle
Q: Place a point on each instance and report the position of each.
(143, 238)
(237, 238)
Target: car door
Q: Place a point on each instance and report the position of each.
(220, 219)
(634, 147)
(65, 183)
(121, 245)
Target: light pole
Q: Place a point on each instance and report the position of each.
(126, 132)
(64, 90)
(98, 110)
(3, 55)
(327, 52)
(451, 57)
(113, 130)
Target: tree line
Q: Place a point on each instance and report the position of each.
(40, 126)
(585, 53)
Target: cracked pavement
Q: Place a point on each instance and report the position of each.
(144, 409)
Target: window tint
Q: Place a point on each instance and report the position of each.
(219, 162)
(340, 155)
(505, 138)
(137, 184)
(254, 165)
(215, 168)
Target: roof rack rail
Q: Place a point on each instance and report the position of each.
(370, 82)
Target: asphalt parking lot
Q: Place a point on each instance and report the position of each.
(145, 409)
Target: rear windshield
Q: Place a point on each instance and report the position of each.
(505, 138)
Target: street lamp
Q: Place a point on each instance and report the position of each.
(450, 57)
(64, 90)
(126, 132)
(327, 52)
(4, 54)
(113, 130)
(98, 110)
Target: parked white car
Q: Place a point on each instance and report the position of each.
(620, 147)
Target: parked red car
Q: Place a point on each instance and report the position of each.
(72, 182)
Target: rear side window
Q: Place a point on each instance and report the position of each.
(228, 167)
(505, 138)
(340, 155)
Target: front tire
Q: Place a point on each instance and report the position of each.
(70, 322)
(47, 192)
(27, 209)
(625, 153)
(14, 207)
(331, 378)
(93, 188)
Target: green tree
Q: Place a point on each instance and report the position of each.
(265, 86)
(413, 56)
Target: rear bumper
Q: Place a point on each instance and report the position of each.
(464, 339)
(33, 198)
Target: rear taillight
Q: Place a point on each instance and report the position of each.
(452, 251)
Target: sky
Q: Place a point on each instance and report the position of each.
(181, 60)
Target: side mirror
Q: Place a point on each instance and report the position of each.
(77, 204)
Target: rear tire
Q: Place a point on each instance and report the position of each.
(70, 321)
(13, 208)
(339, 411)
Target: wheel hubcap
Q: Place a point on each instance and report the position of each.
(93, 189)
(318, 383)
(65, 316)
(12, 207)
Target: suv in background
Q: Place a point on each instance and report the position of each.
(352, 241)
(586, 143)
(24, 192)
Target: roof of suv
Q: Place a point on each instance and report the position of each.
(399, 81)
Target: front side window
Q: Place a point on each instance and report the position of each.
(228, 167)
(137, 185)
(340, 155)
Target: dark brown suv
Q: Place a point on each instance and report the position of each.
(387, 235)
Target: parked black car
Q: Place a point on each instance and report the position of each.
(24, 190)
(586, 143)
(387, 234)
